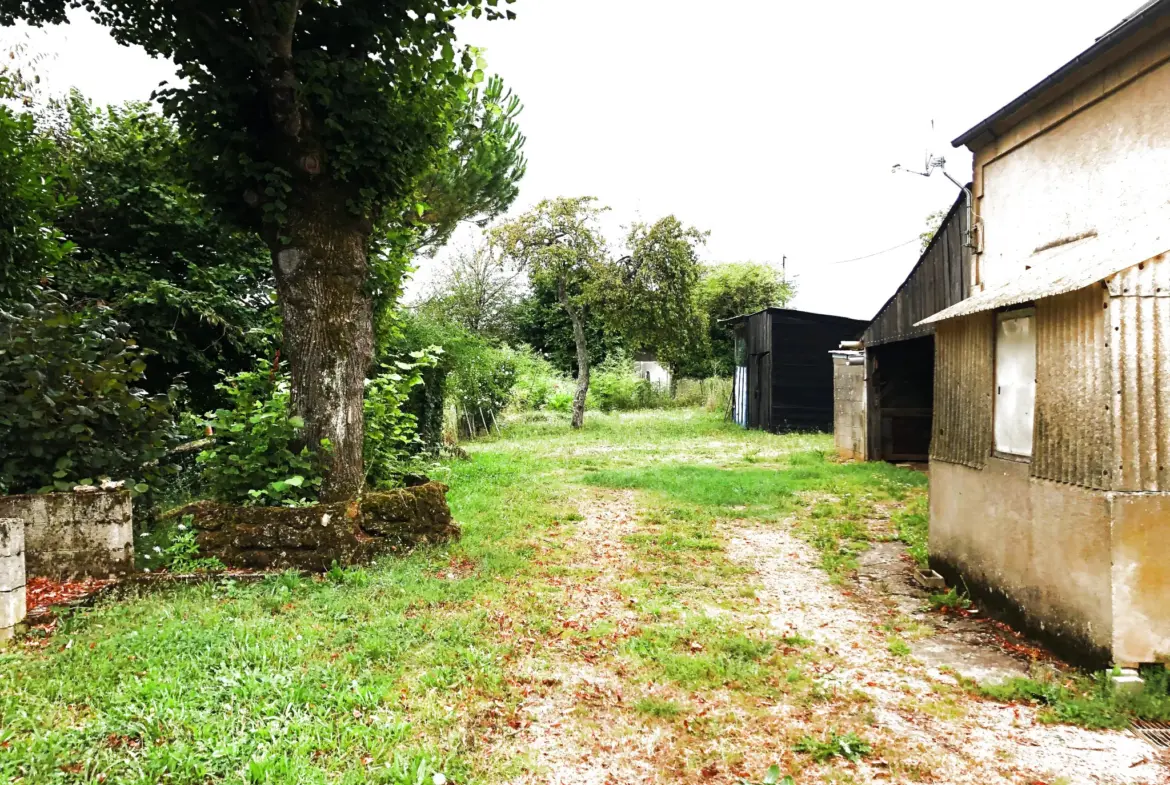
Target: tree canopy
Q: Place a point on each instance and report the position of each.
(649, 296)
(732, 289)
(194, 290)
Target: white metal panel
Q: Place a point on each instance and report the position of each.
(1015, 382)
(740, 391)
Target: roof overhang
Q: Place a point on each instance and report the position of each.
(1071, 267)
(1063, 78)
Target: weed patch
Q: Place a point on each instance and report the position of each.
(849, 746)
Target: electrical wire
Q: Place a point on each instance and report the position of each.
(878, 253)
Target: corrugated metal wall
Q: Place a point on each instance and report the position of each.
(938, 281)
(1139, 353)
(1073, 437)
(964, 379)
(1102, 385)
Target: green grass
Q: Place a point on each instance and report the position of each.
(419, 665)
(1087, 701)
(658, 707)
(913, 525)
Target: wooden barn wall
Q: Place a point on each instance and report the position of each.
(938, 281)
(1073, 440)
(964, 380)
(759, 348)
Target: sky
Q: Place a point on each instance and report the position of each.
(771, 124)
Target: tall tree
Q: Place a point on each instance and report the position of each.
(311, 121)
(560, 245)
(542, 323)
(649, 296)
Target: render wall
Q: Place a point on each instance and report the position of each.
(1036, 549)
(75, 535)
(849, 409)
(1141, 577)
(1097, 158)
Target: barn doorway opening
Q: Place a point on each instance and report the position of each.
(902, 390)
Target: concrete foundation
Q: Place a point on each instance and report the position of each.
(12, 591)
(85, 534)
(1088, 571)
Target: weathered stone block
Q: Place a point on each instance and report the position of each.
(85, 534)
(11, 537)
(12, 611)
(12, 591)
(312, 538)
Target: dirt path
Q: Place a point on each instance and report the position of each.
(575, 731)
(579, 726)
(986, 742)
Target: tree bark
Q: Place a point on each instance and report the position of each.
(321, 274)
(582, 361)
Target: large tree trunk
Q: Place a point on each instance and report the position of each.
(582, 365)
(321, 280)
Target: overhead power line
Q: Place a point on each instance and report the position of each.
(877, 253)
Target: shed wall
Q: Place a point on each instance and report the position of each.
(802, 371)
(1094, 161)
(964, 380)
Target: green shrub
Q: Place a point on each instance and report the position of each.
(259, 456)
(537, 382)
(71, 408)
(391, 435)
(561, 402)
(613, 386)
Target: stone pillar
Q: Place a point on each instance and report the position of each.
(12, 597)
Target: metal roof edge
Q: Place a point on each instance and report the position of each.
(1118, 34)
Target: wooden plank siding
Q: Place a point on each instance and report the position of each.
(939, 280)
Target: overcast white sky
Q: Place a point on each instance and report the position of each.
(772, 124)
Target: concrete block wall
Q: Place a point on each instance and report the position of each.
(12, 592)
(67, 536)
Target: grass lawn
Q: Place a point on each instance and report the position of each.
(420, 666)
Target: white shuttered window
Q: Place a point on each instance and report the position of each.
(1015, 380)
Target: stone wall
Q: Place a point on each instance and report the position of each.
(84, 534)
(12, 596)
(312, 538)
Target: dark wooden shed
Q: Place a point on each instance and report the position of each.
(898, 404)
(784, 375)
